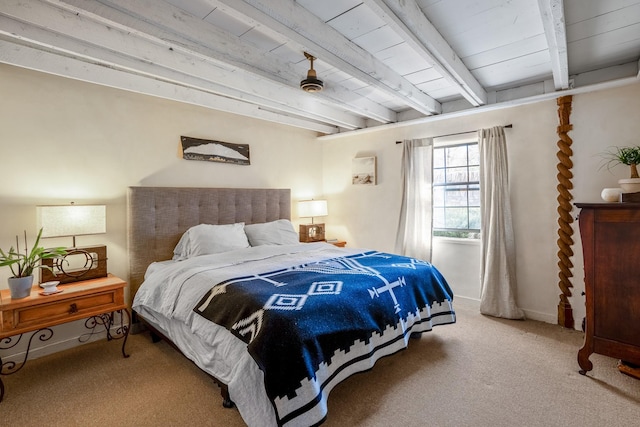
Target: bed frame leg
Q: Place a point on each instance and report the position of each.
(226, 398)
(155, 338)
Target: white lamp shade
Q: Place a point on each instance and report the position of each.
(71, 220)
(311, 208)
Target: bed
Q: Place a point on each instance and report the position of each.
(218, 272)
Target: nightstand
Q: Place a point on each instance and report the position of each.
(95, 300)
(338, 243)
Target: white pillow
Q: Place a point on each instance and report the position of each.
(181, 251)
(280, 232)
(205, 239)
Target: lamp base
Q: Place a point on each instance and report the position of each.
(87, 262)
(311, 233)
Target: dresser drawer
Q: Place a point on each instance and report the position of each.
(67, 310)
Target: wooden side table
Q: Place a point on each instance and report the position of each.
(95, 300)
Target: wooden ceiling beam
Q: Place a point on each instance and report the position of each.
(409, 22)
(552, 13)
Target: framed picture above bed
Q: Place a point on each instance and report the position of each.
(214, 151)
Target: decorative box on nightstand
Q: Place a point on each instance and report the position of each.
(311, 233)
(84, 263)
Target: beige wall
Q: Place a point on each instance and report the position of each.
(368, 216)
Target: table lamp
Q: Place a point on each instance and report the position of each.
(310, 209)
(73, 220)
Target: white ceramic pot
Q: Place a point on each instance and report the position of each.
(611, 194)
(20, 286)
(630, 185)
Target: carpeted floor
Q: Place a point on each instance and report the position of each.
(479, 372)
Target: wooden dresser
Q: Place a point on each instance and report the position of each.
(611, 246)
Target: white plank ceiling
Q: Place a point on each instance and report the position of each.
(381, 61)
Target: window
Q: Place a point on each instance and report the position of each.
(456, 191)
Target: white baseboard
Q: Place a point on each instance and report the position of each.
(472, 301)
(542, 317)
(530, 314)
(54, 347)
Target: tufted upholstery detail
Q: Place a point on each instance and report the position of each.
(158, 216)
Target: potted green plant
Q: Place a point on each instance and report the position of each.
(629, 156)
(22, 265)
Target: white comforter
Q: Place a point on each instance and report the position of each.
(172, 289)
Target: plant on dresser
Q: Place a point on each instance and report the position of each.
(629, 156)
(22, 264)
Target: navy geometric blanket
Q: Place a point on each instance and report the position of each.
(310, 326)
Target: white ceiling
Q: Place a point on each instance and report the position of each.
(382, 61)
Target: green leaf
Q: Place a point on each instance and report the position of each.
(23, 265)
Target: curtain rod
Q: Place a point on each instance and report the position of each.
(458, 133)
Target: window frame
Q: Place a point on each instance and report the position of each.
(456, 233)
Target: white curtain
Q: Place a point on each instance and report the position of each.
(414, 229)
(498, 262)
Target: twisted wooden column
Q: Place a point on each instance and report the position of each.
(565, 230)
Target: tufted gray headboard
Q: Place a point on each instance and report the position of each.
(158, 216)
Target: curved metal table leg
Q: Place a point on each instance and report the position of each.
(124, 330)
(11, 367)
(107, 321)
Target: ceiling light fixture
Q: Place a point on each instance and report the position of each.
(311, 83)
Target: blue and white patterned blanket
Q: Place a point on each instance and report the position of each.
(310, 326)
